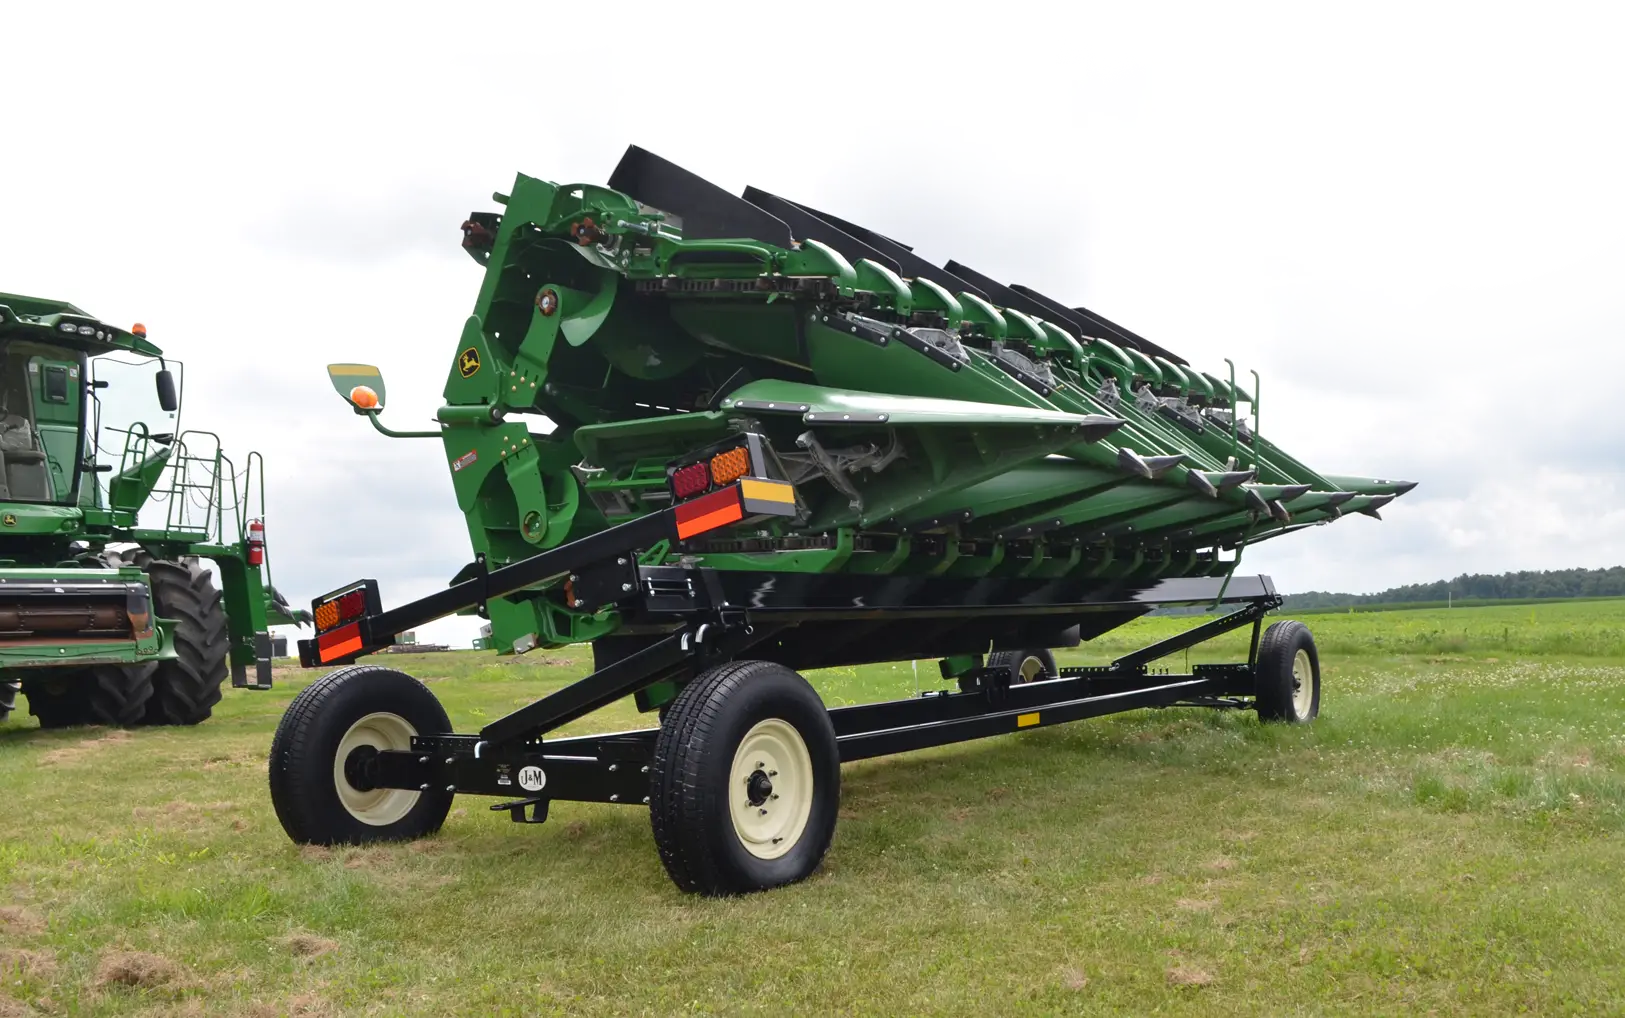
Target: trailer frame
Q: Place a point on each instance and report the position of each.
(681, 620)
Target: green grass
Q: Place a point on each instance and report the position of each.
(1448, 838)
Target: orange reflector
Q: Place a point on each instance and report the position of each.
(339, 643)
(728, 467)
(1026, 720)
(139, 330)
(709, 512)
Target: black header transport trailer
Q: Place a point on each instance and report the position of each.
(742, 775)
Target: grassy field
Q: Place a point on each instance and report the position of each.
(1448, 838)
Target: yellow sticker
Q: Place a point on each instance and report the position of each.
(468, 362)
(1026, 720)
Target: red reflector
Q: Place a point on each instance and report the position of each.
(717, 509)
(339, 643)
(690, 480)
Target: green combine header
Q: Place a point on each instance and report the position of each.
(725, 436)
(104, 620)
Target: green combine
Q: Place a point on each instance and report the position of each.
(104, 621)
(723, 438)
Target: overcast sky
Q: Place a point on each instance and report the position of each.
(1409, 218)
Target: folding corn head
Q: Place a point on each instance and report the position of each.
(775, 440)
(933, 421)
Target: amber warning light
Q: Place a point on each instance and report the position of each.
(338, 617)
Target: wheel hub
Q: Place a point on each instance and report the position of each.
(352, 767)
(770, 788)
(358, 768)
(758, 787)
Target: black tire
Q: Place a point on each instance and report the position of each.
(306, 792)
(8, 697)
(1287, 677)
(112, 695)
(55, 699)
(1030, 665)
(691, 793)
(186, 687)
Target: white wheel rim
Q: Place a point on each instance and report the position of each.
(379, 807)
(1303, 683)
(770, 789)
(1032, 669)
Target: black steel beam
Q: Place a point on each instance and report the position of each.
(622, 539)
(674, 655)
(863, 745)
(1200, 634)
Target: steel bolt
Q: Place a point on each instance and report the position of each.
(626, 586)
(451, 788)
(763, 812)
(449, 761)
(423, 787)
(645, 769)
(646, 800)
(614, 798)
(613, 768)
(620, 561)
(771, 774)
(423, 759)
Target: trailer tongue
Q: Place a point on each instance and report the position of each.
(783, 442)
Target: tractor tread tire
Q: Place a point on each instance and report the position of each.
(112, 695)
(187, 686)
(692, 826)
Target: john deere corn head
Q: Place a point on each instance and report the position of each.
(102, 620)
(722, 437)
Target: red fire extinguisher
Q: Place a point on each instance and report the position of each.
(256, 542)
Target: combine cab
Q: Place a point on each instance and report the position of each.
(102, 620)
(723, 438)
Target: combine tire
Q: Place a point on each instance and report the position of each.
(1288, 674)
(8, 698)
(186, 687)
(318, 756)
(1031, 665)
(746, 780)
(112, 695)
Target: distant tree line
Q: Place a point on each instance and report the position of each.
(1525, 585)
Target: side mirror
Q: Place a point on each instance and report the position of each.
(361, 385)
(168, 398)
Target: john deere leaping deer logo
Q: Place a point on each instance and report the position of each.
(9, 520)
(468, 362)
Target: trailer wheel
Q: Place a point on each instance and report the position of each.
(317, 785)
(1031, 665)
(746, 780)
(8, 697)
(1288, 674)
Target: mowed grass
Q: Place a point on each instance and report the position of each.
(1448, 838)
